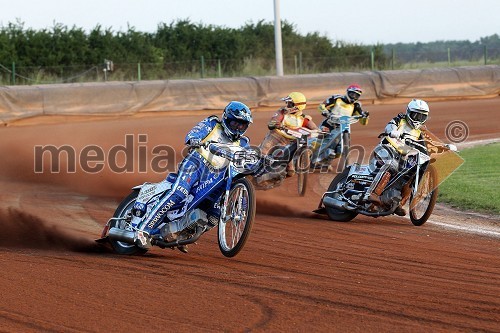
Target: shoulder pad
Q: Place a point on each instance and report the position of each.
(332, 99)
(212, 117)
(212, 120)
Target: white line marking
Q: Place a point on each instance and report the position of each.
(472, 228)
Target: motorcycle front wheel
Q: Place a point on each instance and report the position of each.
(235, 228)
(302, 166)
(121, 213)
(336, 214)
(422, 203)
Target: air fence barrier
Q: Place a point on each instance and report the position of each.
(126, 98)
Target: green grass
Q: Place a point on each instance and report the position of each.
(475, 185)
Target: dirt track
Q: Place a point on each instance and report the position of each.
(297, 272)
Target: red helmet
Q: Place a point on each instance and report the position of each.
(353, 92)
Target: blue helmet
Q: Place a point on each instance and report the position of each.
(235, 119)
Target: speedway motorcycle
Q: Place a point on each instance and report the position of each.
(296, 152)
(327, 146)
(401, 175)
(134, 230)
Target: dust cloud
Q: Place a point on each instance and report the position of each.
(23, 230)
(268, 204)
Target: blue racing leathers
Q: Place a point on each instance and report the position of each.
(198, 166)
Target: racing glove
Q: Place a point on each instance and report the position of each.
(365, 115)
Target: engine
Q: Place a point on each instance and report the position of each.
(391, 197)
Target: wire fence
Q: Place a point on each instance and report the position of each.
(11, 74)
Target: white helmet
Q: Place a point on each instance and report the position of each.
(417, 112)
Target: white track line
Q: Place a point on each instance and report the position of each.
(472, 228)
(474, 143)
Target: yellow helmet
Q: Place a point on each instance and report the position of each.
(295, 102)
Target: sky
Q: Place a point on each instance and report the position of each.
(361, 21)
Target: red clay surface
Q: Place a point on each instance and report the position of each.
(297, 273)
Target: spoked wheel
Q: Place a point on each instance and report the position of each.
(302, 166)
(235, 228)
(122, 212)
(346, 145)
(336, 214)
(422, 203)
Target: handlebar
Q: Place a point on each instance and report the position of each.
(422, 143)
(335, 118)
(299, 132)
(217, 148)
(241, 154)
(247, 160)
(443, 146)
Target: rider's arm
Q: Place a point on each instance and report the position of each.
(276, 120)
(201, 130)
(393, 124)
(328, 104)
(391, 128)
(322, 108)
(309, 123)
(358, 110)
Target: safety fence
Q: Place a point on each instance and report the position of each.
(122, 98)
(12, 74)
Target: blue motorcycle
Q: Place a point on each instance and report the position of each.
(335, 144)
(134, 230)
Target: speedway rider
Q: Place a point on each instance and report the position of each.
(200, 164)
(341, 105)
(290, 116)
(411, 125)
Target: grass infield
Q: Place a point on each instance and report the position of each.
(475, 185)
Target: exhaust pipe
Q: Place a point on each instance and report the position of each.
(121, 235)
(335, 203)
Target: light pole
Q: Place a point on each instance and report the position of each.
(277, 38)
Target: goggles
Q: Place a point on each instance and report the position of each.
(418, 116)
(353, 95)
(238, 125)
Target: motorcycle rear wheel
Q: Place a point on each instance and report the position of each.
(121, 212)
(302, 166)
(340, 215)
(423, 202)
(240, 214)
